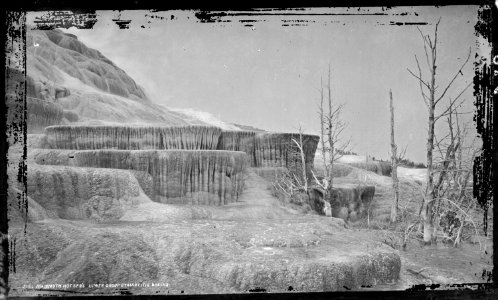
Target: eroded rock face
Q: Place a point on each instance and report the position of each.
(41, 114)
(237, 141)
(67, 192)
(178, 176)
(267, 149)
(278, 150)
(132, 137)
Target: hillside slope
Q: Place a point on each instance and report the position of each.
(90, 88)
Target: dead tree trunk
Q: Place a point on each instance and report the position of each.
(330, 175)
(331, 131)
(323, 141)
(394, 165)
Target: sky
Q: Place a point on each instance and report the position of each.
(268, 75)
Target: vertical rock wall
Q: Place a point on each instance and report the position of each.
(132, 137)
(267, 149)
(178, 176)
(237, 141)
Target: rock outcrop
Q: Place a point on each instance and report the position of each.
(349, 202)
(178, 176)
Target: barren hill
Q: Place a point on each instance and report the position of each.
(77, 84)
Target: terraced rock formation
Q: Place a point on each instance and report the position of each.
(122, 190)
(187, 174)
(169, 176)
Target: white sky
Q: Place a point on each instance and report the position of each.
(268, 75)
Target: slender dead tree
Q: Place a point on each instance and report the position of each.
(431, 100)
(394, 164)
(300, 152)
(331, 135)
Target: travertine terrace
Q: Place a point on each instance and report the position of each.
(188, 164)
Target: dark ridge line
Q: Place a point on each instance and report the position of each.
(407, 23)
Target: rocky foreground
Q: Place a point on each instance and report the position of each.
(254, 243)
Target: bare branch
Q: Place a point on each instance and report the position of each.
(402, 154)
(424, 39)
(452, 104)
(420, 79)
(454, 77)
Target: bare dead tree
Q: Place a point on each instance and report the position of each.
(431, 100)
(331, 135)
(394, 164)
